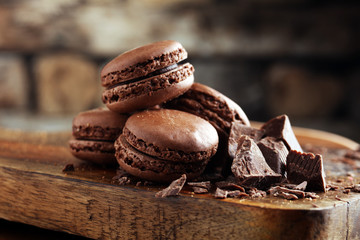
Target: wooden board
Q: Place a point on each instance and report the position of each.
(34, 190)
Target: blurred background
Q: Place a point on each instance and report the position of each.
(271, 57)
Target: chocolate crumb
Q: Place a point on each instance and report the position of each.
(69, 168)
(173, 189)
(219, 193)
(346, 191)
(123, 181)
(288, 196)
(277, 191)
(236, 194)
(311, 195)
(301, 186)
(332, 187)
(315, 205)
(256, 193)
(199, 190)
(229, 186)
(340, 199)
(206, 184)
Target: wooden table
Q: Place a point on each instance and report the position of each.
(34, 190)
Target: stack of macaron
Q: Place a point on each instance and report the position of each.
(167, 125)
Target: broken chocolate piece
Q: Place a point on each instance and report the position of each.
(219, 193)
(306, 167)
(173, 189)
(206, 185)
(256, 193)
(278, 190)
(288, 196)
(236, 194)
(69, 168)
(200, 190)
(275, 153)
(311, 195)
(237, 130)
(301, 186)
(280, 128)
(250, 168)
(229, 185)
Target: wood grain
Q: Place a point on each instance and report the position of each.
(35, 191)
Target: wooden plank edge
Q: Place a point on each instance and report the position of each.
(103, 211)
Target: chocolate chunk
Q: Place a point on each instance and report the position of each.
(288, 196)
(249, 166)
(229, 185)
(311, 195)
(123, 181)
(301, 186)
(236, 194)
(306, 167)
(278, 190)
(200, 190)
(280, 128)
(275, 153)
(206, 185)
(173, 189)
(256, 193)
(219, 193)
(237, 130)
(69, 168)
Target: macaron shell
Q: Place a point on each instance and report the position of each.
(98, 152)
(98, 124)
(143, 60)
(151, 99)
(151, 168)
(172, 129)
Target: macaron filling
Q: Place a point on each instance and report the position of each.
(152, 74)
(144, 162)
(148, 85)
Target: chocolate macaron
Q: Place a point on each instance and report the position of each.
(161, 145)
(219, 110)
(211, 105)
(146, 76)
(94, 133)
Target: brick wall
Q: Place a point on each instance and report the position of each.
(271, 57)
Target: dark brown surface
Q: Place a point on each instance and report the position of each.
(88, 204)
